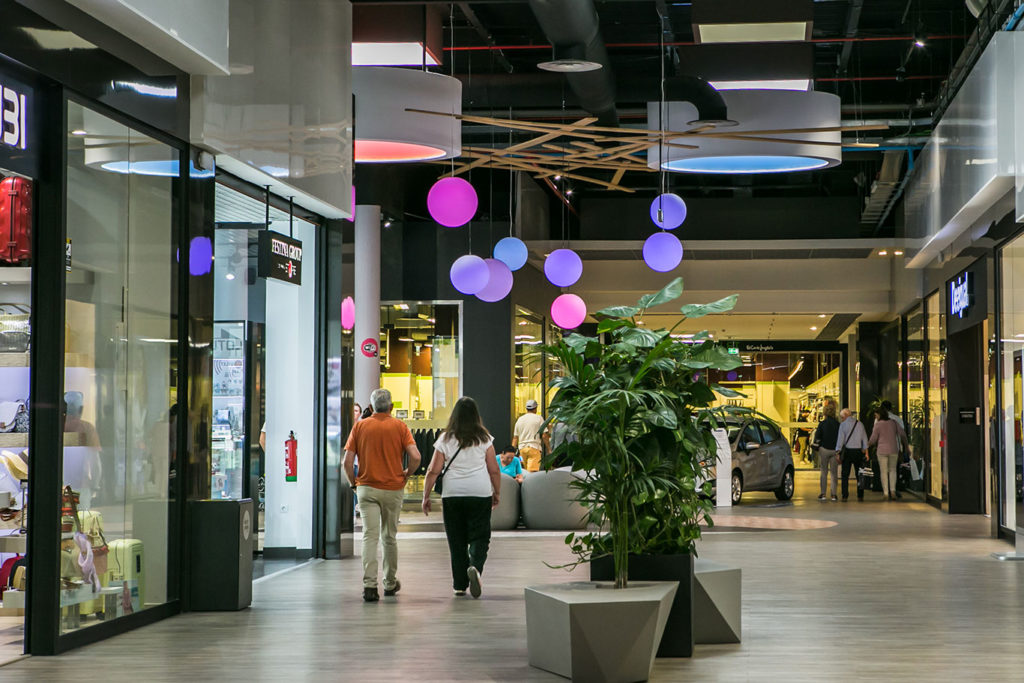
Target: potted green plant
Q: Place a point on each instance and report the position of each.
(637, 403)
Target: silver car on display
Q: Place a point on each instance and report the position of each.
(762, 459)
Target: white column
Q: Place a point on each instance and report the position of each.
(367, 299)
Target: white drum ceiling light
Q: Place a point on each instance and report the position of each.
(385, 132)
(755, 110)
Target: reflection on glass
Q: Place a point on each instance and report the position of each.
(119, 397)
(1012, 349)
(936, 416)
(914, 381)
(228, 409)
(528, 335)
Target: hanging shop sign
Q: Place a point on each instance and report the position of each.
(17, 127)
(280, 257)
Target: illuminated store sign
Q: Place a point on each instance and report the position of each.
(961, 294)
(280, 257)
(15, 114)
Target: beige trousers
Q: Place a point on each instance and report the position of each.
(531, 458)
(380, 510)
(887, 471)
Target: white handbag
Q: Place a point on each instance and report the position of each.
(9, 414)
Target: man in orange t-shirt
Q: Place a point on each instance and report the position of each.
(380, 441)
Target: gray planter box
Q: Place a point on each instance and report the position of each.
(588, 631)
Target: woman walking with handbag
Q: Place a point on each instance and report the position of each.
(465, 470)
(887, 434)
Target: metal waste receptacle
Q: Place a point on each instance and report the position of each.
(220, 567)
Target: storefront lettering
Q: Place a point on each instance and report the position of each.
(15, 132)
(289, 251)
(960, 294)
(760, 347)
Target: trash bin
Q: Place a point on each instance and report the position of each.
(220, 567)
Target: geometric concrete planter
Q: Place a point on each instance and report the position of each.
(717, 603)
(588, 631)
(679, 630)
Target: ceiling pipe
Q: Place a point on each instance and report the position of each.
(572, 27)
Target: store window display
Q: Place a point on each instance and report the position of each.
(529, 370)
(120, 362)
(16, 225)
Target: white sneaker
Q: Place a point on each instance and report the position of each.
(474, 581)
(460, 594)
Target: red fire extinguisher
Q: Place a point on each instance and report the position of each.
(291, 458)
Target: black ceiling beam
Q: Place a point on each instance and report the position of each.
(482, 31)
(852, 25)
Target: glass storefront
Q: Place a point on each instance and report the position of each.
(120, 397)
(914, 394)
(935, 417)
(529, 371)
(1011, 346)
(264, 370)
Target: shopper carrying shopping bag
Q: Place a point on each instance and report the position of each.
(467, 467)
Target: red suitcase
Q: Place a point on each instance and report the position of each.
(15, 220)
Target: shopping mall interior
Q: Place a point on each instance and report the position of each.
(643, 340)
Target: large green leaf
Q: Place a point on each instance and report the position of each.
(727, 392)
(609, 324)
(619, 311)
(577, 342)
(670, 292)
(700, 310)
(640, 336)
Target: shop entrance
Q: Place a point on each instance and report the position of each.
(965, 431)
(788, 386)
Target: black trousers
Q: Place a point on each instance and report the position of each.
(467, 524)
(851, 458)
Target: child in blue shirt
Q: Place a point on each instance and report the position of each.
(508, 463)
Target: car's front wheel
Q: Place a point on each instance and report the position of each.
(786, 488)
(737, 487)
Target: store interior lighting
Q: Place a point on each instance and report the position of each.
(781, 84)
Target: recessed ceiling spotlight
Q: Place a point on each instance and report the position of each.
(897, 252)
(558, 177)
(814, 328)
(821, 315)
(883, 252)
(569, 66)
(229, 276)
(78, 131)
(568, 192)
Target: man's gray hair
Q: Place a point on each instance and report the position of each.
(380, 399)
(845, 413)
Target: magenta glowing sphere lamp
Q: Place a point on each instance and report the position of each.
(499, 282)
(668, 211)
(452, 202)
(663, 252)
(469, 274)
(512, 252)
(568, 311)
(348, 313)
(563, 267)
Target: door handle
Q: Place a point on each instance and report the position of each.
(977, 416)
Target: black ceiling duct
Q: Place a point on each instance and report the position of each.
(711, 109)
(572, 28)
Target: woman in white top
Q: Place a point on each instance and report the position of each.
(470, 490)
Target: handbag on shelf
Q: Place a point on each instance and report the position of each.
(9, 414)
(439, 484)
(69, 509)
(14, 328)
(21, 420)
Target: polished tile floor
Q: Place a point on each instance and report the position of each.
(890, 591)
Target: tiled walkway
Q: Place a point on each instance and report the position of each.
(892, 591)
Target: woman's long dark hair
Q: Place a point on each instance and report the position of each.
(465, 425)
(882, 413)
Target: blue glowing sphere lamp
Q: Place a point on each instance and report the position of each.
(512, 252)
(668, 211)
(663, 252)
(469, 274)
(563, 267)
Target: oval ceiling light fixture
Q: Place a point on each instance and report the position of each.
(512, 252)
(469, 274)
(563, 267)
(569, 59)
(499, 282)
(755, 110)
(663, 252)
(452, 202)
(387, 132)
(668, 211)
(568, 311)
